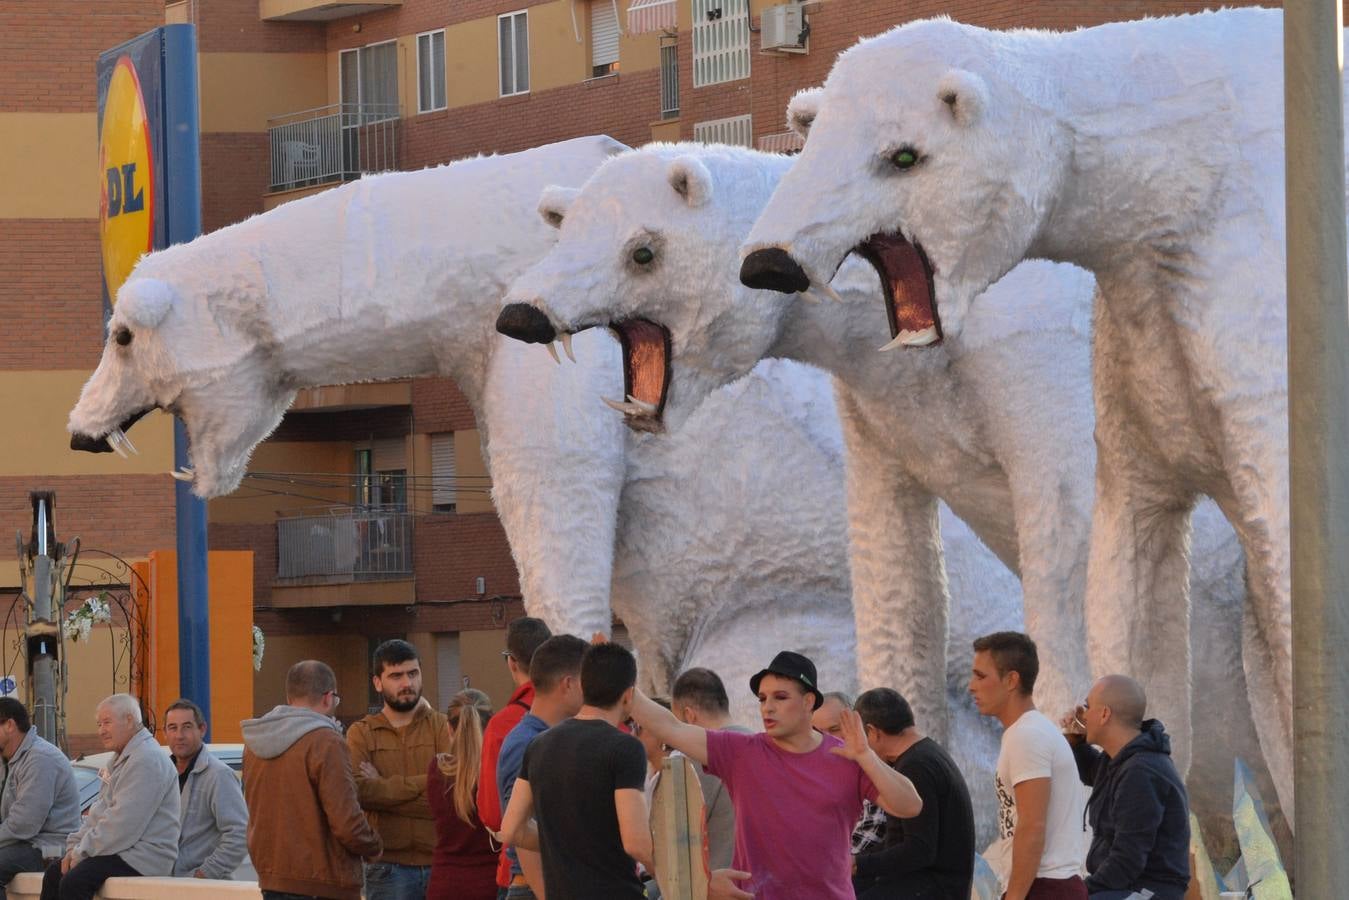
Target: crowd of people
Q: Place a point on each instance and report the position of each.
(551, 796)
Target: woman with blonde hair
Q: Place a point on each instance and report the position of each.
(464, 864)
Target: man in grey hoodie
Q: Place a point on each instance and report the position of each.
(214, 839)
(306, 831)
(132, 828)
(39, 806)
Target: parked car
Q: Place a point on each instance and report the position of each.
(86, 769)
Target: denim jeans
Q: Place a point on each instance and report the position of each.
(395, 881)
(16, 858)
(520, 892)
(282, 895)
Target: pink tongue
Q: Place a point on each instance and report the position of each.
(907, 271)
(645, 360)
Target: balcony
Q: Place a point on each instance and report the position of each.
(333, 143)
(317, 10)
(342, 555)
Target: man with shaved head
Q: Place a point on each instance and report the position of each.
(1139, 812)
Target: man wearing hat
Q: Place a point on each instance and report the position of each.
(797, 793)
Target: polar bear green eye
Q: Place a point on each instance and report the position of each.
(905, 158)
(643, 255)
(122, 336)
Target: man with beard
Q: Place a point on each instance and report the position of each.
(390, 754)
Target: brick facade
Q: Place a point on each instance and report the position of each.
(48, 49)
(128, 515)
(439, 405)
(51, 295)
(452, 550)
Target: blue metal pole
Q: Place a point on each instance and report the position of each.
(182, 180)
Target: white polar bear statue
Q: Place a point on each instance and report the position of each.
(721, 572)
(1150, 153)
(1001, 431)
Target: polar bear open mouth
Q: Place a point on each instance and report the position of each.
(114, 440)
(906, 279)
(646, 373)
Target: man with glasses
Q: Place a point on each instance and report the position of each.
(307, 834)
(523, 637)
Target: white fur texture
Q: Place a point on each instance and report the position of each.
(999, 426)
(1012, 455)
(1151, 153)
(363, 282)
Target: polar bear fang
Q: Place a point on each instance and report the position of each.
(109, 442)
(646, 372)
(906, 281)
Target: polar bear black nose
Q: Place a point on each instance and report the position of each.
(773, 269)
(526, 323)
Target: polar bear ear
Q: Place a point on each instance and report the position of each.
(690, 180)
(555, 202)
(801, 110)
(144, 302)
(964, 94)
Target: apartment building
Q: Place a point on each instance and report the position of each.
(368, 511)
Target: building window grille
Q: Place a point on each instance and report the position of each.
(737, 130)
(669, 82)
(720, 41)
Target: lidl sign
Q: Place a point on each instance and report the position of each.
(148, 157)
(126, 208)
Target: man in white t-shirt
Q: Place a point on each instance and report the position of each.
(1041, 837)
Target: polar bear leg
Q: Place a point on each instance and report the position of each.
(1267, 640)
(900, 597)
(1053, 582)
(1137, 602)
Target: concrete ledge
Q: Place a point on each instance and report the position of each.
(28, 886)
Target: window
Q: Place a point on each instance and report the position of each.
(442, 472)
(513, 42)
(603, 37)
(738, 130)
(669, 82)
(720, 41)
(431, 71)
(369, 81)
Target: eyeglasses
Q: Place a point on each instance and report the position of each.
(506, 654)
(336, 699)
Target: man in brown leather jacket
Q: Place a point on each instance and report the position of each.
(307, 834)
(390, 754)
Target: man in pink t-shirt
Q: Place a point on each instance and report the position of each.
(797, 793)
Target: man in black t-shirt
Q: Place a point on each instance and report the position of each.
(582, 781)
(930, 856)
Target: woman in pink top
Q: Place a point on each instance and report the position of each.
(464, 864)
(797, 793)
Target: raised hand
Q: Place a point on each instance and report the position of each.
(854, 736)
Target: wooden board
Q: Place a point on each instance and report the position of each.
(678, 826)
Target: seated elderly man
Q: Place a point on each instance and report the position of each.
(132, 828)
(214, 839)
(40, 805)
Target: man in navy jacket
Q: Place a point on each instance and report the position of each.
(1139, 812)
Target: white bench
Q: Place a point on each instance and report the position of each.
(28, 886)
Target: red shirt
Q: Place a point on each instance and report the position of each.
(463, 866)
(489, 803)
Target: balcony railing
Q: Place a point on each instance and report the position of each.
(343, 543)
(338, 142)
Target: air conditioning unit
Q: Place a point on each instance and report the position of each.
(783, 29)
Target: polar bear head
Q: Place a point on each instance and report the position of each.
(648, 249)
(926, 155)
(167, 349)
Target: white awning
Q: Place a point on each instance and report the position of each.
(782, 142)
(645, 16)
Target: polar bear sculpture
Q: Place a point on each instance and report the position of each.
(221, 331)
(1009, 451)
(1150, 153)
